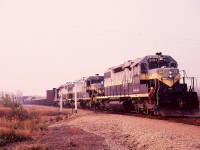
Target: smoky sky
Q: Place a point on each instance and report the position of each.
(46, 43)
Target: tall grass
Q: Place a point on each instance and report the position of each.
(11, 125)
(9, 135)
(18, 123)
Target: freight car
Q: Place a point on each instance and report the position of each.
(126, 87)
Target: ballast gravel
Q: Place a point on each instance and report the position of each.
(131, 132)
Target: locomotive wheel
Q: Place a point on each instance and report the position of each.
(137, 109)
(145, 107)
(145, 110)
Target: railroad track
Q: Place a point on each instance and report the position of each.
(187, 119)
(191, 120)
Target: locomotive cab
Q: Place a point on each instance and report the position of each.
(172, 96)
(87, 90)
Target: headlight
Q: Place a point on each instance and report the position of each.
(176, 71)
(161, 71)
(170, 76)
(170, 72)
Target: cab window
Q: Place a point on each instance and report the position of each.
(143, 68)
(135, 70)
(173, 65)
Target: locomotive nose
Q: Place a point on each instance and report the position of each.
(168, 76)
(171, 76)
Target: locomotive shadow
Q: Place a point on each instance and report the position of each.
(166, 112)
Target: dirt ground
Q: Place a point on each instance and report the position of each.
(87, 130)
(65, 138)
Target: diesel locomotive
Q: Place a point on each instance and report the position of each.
(126, 87)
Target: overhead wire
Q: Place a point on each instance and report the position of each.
(92, 29)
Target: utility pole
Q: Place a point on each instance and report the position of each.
(61, 101)
(75, 98)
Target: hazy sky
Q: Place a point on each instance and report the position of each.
(45, 43)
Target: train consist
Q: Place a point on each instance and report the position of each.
(126, 87)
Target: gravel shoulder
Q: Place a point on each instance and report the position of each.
(88, 130)
(130, 132)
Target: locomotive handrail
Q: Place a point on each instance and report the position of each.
(191, 79)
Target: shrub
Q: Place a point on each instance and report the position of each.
(4, 111)
(18, 123)
(9, 135)
(6, 100)
(40, 126)
(33, 147)
(18, 112)
(38, 147)
(59, 118)
(72, 144)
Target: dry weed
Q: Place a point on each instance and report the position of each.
(33, 147)
(18, 123)
(8, 135)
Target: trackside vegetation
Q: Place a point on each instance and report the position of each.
(19, 123)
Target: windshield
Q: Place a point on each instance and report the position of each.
(95, 81)
(158, 63)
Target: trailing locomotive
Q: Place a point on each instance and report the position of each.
(87, 89)
(126, 87)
